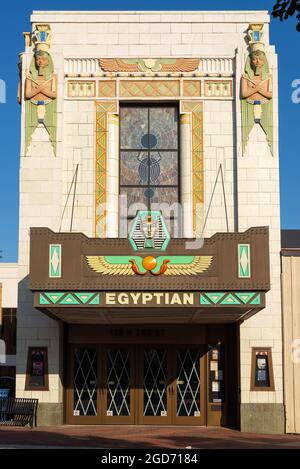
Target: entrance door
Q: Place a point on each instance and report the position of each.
(83, 402)
(123, 384)
(155, 386)
(189, 386)
(101, 385)
(118, 385)
(172, 385)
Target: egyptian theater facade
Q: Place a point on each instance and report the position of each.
(149, 268)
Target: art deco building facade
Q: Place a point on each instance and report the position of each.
(142, 133)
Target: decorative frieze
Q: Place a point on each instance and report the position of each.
(217, 66)
(149, 65)
(75, 67)
(191, 88)
(69, 298)
(133, 88)
(231, 299)
(150, 88)
(207, 66)
(107, 89)
(218, 89)
(81, 89)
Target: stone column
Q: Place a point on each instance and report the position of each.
(112, 177)
(186, 187)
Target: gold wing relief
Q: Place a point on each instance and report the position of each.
(167, 265)
(140, 65)
(181, 65)
(199, 265)
(117, 65)
(100, 265)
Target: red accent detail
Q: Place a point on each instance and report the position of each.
(163, 268)
(135, 267)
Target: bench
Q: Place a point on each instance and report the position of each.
(18, 411)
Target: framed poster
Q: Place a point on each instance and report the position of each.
(37, 369)
(262, 378)
(216, 388)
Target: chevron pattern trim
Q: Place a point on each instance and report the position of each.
(102, 110)
(196, 109)
(69, 298)
(230, 298)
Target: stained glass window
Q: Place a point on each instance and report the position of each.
(149, 156)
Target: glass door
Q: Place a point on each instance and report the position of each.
(83, 392)
(118, 385)
(189, 386)
(155, 390)
(143, 384)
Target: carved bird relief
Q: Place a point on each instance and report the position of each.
(167, 265)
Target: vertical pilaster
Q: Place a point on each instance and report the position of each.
(103, 110)
(112, 177)
(195, 110)
(186, 192)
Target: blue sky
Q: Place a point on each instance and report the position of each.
(15, 19)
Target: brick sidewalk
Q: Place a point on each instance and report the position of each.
(142, 437)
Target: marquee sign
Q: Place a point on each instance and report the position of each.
(84, 280)
(119, 299)
(72, 262)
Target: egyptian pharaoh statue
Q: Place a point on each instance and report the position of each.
(257, 94)
(40, 95)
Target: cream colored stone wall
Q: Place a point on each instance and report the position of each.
(9, 282)
(259, 204)
(251, 181)
(291, 331)
(40, 205)
(219, 149)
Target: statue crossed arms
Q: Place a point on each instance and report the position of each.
(256, 87)
(39, 87)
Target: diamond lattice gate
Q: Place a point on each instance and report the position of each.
(147, 384)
